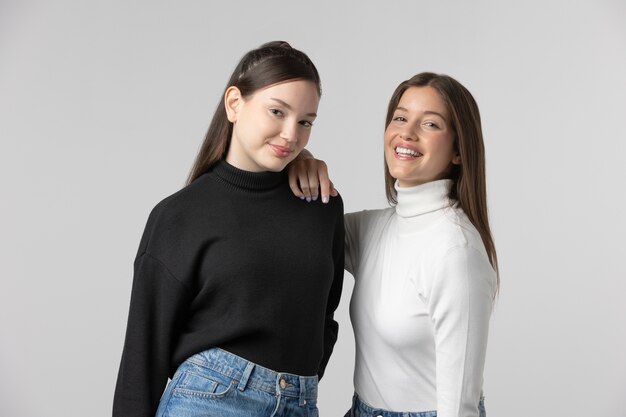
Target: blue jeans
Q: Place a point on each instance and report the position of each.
(218, 383)
(361, 409)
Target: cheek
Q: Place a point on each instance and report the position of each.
(304, 140)
(387, 139)
(442, 147)
(267, 125)
(389, 157)
(389, 134)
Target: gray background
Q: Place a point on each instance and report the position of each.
(103, 105)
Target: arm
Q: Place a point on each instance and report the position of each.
(331, 327)
(308, 177)
(352, 222)
(156, 309)
(460, 305)
(362, 228)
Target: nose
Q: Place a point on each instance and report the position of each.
(289, 132)
(408, 134)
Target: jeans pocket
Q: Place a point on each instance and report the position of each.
(203, 383)
(167, 394)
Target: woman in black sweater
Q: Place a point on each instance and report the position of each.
(236, 282)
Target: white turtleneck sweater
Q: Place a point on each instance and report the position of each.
(421, 304)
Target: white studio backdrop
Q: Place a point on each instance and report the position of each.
(103, 105)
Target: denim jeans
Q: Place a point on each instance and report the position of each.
(361, 409)
(218, 383)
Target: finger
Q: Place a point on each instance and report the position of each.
(314, 182)
(333, 190)
(325, 183)
(303, 179)
(295, 189)
(294, 183)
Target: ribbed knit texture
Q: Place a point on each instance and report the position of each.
(234, 261)
(421, 304)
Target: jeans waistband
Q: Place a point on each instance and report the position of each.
(361, 408)
(250, 375)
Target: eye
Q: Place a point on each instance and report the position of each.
(431, 124)
(277, 113)
(399, 119)
(307, 124)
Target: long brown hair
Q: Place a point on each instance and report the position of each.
(469, 188)
(271, 63)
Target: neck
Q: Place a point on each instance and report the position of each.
(422, 199)
(253, 181)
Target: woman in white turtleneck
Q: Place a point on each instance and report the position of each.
(426, 268)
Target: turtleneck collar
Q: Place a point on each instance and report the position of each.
(422, 199)
(253, 181)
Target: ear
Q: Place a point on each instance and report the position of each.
(232, 103)
(456, 159)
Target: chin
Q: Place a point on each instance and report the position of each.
(400, 174)
(276, 166)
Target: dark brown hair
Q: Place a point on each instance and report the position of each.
(469, 188)
(271, 63)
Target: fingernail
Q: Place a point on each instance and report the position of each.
(308, 199)
(301, 198)
(325, 199)
(315, 198)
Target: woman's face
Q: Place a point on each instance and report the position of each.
(419, 141)
(271, 127)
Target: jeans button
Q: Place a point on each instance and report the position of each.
(283, 383)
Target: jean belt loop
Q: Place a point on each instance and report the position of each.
(246, 375)
(302, 391)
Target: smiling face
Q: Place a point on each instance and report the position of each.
(271, 126)
(419, 140)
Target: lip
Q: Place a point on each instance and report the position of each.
(404, 157)
(280, 151)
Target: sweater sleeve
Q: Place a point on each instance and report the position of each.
(362, 229)
(158, 301)
(331, 327)
(460, 305)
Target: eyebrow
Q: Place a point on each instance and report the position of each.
(289, 107)
(426, 112)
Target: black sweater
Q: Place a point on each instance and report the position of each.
(234, 261)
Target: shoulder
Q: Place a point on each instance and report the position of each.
(457, 250)
(175, 216)
(170, 207)
(369, 217)
(362, 224)
(314, 211)
(192, 197)
(335, 204)
(455, 242)
(455, 230)
(317, 213)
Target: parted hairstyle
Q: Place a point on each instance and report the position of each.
(271, 63)
(469, 188)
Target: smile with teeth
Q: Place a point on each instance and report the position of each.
(408, 152)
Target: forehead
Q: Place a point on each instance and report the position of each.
(303, 89)
(423, 99)
(300, 96)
